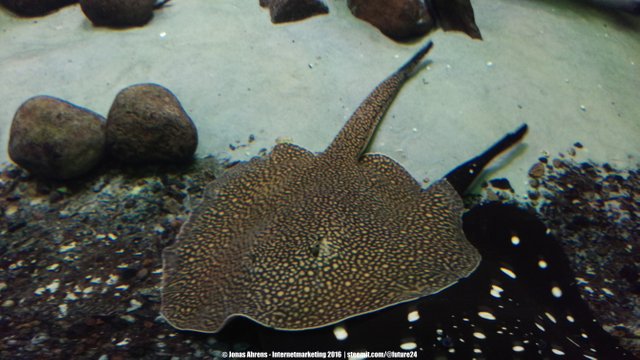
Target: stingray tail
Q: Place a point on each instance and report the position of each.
(354, 137)
(463, 176)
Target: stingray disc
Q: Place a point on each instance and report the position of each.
(295, 240)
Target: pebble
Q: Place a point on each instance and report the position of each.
(537, 170)
(39, 338)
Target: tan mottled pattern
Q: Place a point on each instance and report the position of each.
(295, 240)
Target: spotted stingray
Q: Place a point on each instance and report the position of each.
(296, 240)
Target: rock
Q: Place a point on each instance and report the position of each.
(400, 20)
(456, 15)
(120, 13)
(537, 170)
(294, 10)
(146, 123)
(55, 139)
(35, 7)
(406, 20)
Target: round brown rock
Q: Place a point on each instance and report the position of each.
(30, 8)
(146, 123)
(294, 10)
(119, 13)
(55, 139)
(401, 20)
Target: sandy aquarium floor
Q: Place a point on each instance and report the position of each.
(572, 73)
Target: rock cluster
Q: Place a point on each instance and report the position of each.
(55, 139)
(400, 20)
(111, 13)
(120, 13)
(405, 20)
(79, 267)
(594, 211)
(30, 8)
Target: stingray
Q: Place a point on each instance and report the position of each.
(296, 240)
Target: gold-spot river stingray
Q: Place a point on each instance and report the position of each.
(296, 240)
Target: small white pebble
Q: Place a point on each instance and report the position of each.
(16, 265)
(163, 34)
(124, 342)
(63, 308)
(3, 286)
(71, 297)
(123, 266)
(8, 303)
(68, 247)
(10, 210)
(113, 279)
(53, 267)
(87, 290)
(96, 281)
(128, 318)
(134, 305)
(53, 287)
(489, 63)
(122, 287)
(581, 281)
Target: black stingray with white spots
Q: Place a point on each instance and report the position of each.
(521, 303)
